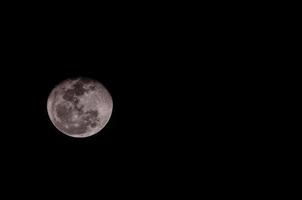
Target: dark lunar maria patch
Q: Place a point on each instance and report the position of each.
(78, 89)
(93, 125)
(63, 112)
(92, 87)
(69, 95)
(91, 117)
(92, 113)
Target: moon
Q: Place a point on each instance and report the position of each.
(79, 107)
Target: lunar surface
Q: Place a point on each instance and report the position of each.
(79, 107)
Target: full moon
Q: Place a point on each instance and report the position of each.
(79, 107)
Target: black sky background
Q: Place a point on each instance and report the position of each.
(137, 59)
(177, 113)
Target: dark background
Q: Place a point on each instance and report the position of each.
(144, 65)
(178, 87)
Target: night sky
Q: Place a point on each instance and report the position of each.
(173, 95)
(147, 87)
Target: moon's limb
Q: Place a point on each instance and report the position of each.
(79, 107)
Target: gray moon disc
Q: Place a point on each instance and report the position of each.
(79, 107)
